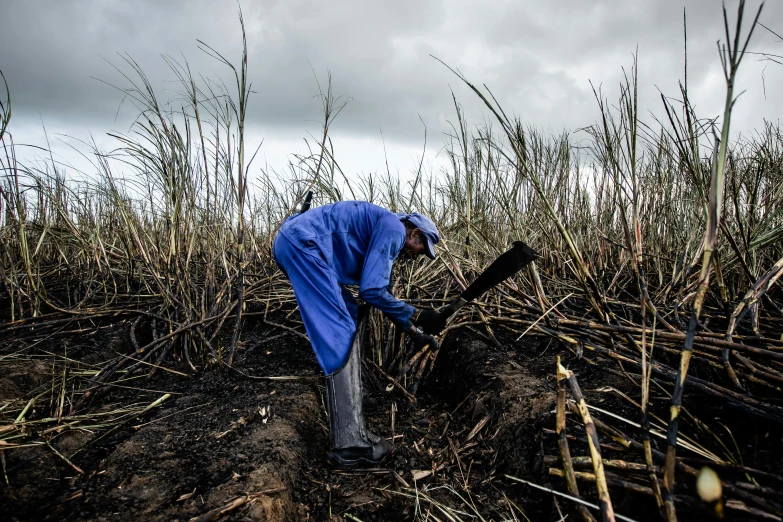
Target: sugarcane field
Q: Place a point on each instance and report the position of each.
(510, 323)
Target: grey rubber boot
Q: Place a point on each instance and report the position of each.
(351, 445)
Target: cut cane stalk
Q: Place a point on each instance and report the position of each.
(562, 442)
(607, 511)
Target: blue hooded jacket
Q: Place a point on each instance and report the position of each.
(359, 241)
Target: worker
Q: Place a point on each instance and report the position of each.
(322, 251)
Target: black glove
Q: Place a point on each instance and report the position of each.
(430, 321)
(420, 339)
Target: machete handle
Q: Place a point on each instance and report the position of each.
(308, 200)
(451, 308)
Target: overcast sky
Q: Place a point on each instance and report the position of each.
(537, 56)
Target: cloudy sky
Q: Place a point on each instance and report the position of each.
(537, 57)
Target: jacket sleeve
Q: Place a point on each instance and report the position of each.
(387, 240)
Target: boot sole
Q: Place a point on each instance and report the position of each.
(340, 463)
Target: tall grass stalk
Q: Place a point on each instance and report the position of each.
(731, 56)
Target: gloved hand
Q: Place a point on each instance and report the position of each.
(420, 339)
(430, 321)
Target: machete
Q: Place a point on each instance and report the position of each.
(507, 264)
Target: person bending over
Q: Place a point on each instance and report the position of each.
(323, 250)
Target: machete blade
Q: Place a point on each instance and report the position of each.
(506, 265)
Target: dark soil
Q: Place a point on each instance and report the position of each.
(480, 416)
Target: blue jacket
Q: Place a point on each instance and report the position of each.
(359, 241)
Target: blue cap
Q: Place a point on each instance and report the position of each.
(427, 228)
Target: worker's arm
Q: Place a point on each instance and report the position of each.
(386, 242)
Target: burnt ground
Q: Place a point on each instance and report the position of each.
(484, 413)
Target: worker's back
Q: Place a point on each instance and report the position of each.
(341, 234)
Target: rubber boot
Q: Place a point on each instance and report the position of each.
(351, 445)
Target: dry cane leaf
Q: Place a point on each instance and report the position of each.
(74, 495)
(418, 474)
(186, 496)
(477, 428)
(234, 425)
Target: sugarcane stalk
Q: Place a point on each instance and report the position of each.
(731, 56)
(243, 92)
(645, 407)
(605, 502)
(590, 477)
(562, 442)
(587, 462)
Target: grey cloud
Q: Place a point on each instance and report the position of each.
(536, 56)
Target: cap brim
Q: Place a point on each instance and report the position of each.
(429, 249)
